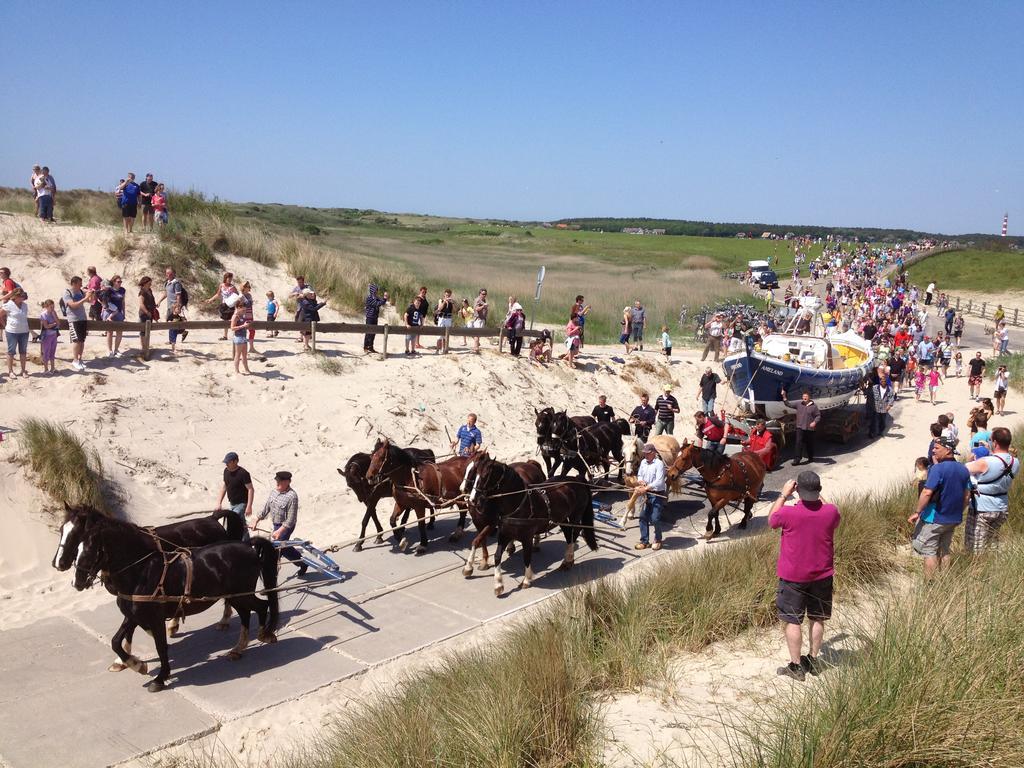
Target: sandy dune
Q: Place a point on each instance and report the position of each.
(163, 427)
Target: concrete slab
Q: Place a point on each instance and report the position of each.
(86, 720)
(265, 675)
(53, 649)
(387, 626)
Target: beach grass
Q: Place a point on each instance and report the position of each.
(34, 238)
(939, 682)
(531, 696)
(63, 465)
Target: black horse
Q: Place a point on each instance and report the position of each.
(523, 512)
(194, 532)
(484, 518)
(584, 448)
(369, 493)
(154, 582)
(549, 444)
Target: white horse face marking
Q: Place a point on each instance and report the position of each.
(465, 477)
(476, 487)
(65, 531)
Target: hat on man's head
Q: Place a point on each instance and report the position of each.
(283, 476)
(946, 442)
(232, 456)
(808, 485)
(649, 448)
(667, 388)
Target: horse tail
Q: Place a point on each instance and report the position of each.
(587, 516)
(232, 523)
(267, 555)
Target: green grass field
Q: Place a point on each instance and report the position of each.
(972, 270)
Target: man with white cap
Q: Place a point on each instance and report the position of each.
(651, 482)
(238, 488)
(805, 567)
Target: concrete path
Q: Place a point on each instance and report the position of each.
(60, 706)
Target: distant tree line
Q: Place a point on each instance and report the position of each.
(725, 229)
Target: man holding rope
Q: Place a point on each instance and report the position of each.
(651, 479)
(282, 506)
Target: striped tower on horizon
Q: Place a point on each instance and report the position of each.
(1006, 218)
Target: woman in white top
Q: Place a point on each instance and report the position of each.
(14, 316)
(1002, 384)
(224, 292)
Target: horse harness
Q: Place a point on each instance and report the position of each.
(726, 465)
(159, 594)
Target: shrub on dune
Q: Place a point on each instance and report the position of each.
(63, 466)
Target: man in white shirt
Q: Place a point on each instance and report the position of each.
(714, 342)
(651, 482)
(928, 293)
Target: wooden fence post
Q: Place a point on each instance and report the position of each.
(957, 303)
(1015, 316)
(447, 339)
(384, 349)
(312, 333)
(969, 303)
(145, 340)
(501, 338)
(983, 305)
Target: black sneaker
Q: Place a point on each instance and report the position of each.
(795, 671)
(810, 665)
(302, 569)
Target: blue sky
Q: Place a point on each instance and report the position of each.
(889, 114)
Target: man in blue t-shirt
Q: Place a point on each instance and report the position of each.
(128, 198)
(940, 508)
(468, 439)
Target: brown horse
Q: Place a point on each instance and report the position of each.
(726, 479)
(418, 487)
(486, 521)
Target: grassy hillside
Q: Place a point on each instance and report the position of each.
(972, 270)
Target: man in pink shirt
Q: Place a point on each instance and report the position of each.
(805, 567)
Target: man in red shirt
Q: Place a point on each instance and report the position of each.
(805, 568)
(710, 433)
(761, 443)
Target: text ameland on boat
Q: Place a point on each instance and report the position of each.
(800, 357)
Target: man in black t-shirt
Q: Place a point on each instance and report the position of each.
(238, 488)
(146, 190)
(975, 373)
(603, 412)
(708, 390)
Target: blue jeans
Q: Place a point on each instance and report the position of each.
(651, 514)
(1004, 346)
(289, 553)
(708, 406)
(46, 207)
(239, 509)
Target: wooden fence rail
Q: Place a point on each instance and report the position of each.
(985, 309)
(145, 330)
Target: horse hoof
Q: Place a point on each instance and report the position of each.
(172, 631)
(527, 584)
(358, 547)
(117, 667)
(421, 549)
(266, 637)
(467, 572)
(510, 549)
(742, 525)
(222, 626)
(498, 591)
(709, 535)
(155, 687)
(430, 525)
(456, 535)
(403, 545)
(233, 655)
(379, 539)
(566, 565)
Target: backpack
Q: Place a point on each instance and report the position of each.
(63, 305)
(184, 297)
